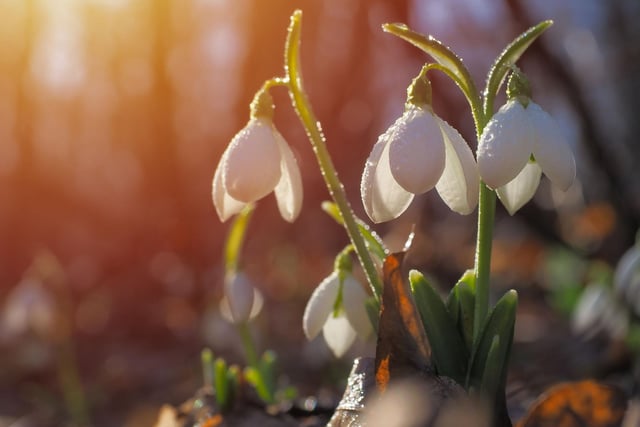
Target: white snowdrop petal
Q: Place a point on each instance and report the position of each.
(521, 189)
(338, 334)
(226, 206)
(320, 306)
(416, 150)
(258, 302)
(225, 310)
(505, 145)
(383, 198)
(252, 167)
(29, 307)
(550, 149)
(626, 279)
(589, 309)
(354, 298)
(240, 296)
(288, 191)
(459, 184)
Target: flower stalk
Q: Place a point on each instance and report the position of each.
(314, 132)
(484, 243)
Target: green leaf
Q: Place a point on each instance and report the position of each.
(235, 238)
(374, 243)
(268, 371)
(233, 381)
(461, 305)
(221, 383)
(493, 368)
(449, 352)
(506, 59)
(288, 393)
(449, 62)
(262, 377)
(491, 357)
(206, 358)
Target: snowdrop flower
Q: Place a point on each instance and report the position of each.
(257, 161)
(599, 310)
(29, 307)
(339, 325)
(242, 301)
(626, 279)
(518, 144)
(418, 152)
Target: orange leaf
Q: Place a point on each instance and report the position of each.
(403, 348)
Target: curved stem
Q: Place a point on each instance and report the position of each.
(314, 132)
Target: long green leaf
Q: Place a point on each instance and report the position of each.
(221, 382)
(461, 306)
(490, 358)
(449, 352)
(450, 63)
(506, 59)
(206, 358)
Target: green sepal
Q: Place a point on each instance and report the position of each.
(448, 62)
(506, 59)
(489, 364)
(461, 304)
(374, 243)
(449, 352)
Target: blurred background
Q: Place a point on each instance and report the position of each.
(114, 114)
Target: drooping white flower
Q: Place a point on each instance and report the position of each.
(241, 301)
(29, 307)
(339, 325)
(599, 310)
(510, 139)
(418, 152)
(257, 161)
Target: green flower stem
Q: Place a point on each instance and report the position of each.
(486, 214)
(247, 343)
(314, 132)
(486, 218)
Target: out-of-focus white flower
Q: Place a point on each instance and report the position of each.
(598, 310)
(257, 161)
(339, 325)
(241, 301)
(508, 142)
(418, 152)
(28, 308)
(626, 279)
